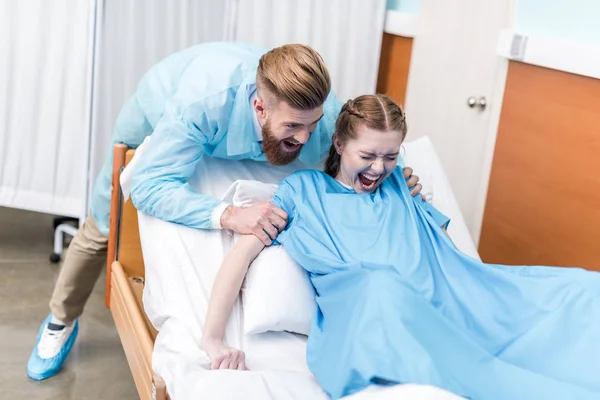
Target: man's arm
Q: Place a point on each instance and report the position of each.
(160, 186)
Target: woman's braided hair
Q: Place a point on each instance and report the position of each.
(377, 112)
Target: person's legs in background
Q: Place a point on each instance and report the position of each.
(86, 256)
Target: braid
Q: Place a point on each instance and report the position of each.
(332, 164)
(351, 109)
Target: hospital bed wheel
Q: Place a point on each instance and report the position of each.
(54, 258)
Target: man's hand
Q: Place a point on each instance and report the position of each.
(412, 181)
(263, 220)
(224, 357)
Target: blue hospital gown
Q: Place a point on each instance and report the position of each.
(398, 303)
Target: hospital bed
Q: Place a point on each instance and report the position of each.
(124, 285)
(126, 274)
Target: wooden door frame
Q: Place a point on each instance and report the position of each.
(493, 122)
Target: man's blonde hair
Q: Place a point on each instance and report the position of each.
(296, 74)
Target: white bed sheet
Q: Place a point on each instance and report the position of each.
(181, 264)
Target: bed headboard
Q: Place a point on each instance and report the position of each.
(124, 237)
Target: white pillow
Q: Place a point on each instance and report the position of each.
(244, 193)
(277, 294)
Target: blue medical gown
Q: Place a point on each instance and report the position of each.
(195, 102)
(398, 303)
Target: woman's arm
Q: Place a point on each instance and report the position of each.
(225, 290)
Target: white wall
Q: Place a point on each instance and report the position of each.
(405, 6)
(575, 20)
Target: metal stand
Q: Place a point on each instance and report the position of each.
(61, 227)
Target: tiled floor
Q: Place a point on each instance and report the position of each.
(96, 367)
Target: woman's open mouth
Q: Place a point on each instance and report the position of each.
(290, 146)
(368, 182)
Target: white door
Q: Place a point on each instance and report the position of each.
(454, 61)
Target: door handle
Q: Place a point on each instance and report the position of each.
(480, 102)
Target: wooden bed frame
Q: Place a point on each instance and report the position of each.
(124, 286)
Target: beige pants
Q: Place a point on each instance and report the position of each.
(86, 256)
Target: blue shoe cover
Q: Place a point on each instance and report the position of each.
(44, 368)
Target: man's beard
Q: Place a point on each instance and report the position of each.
(272, 150)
